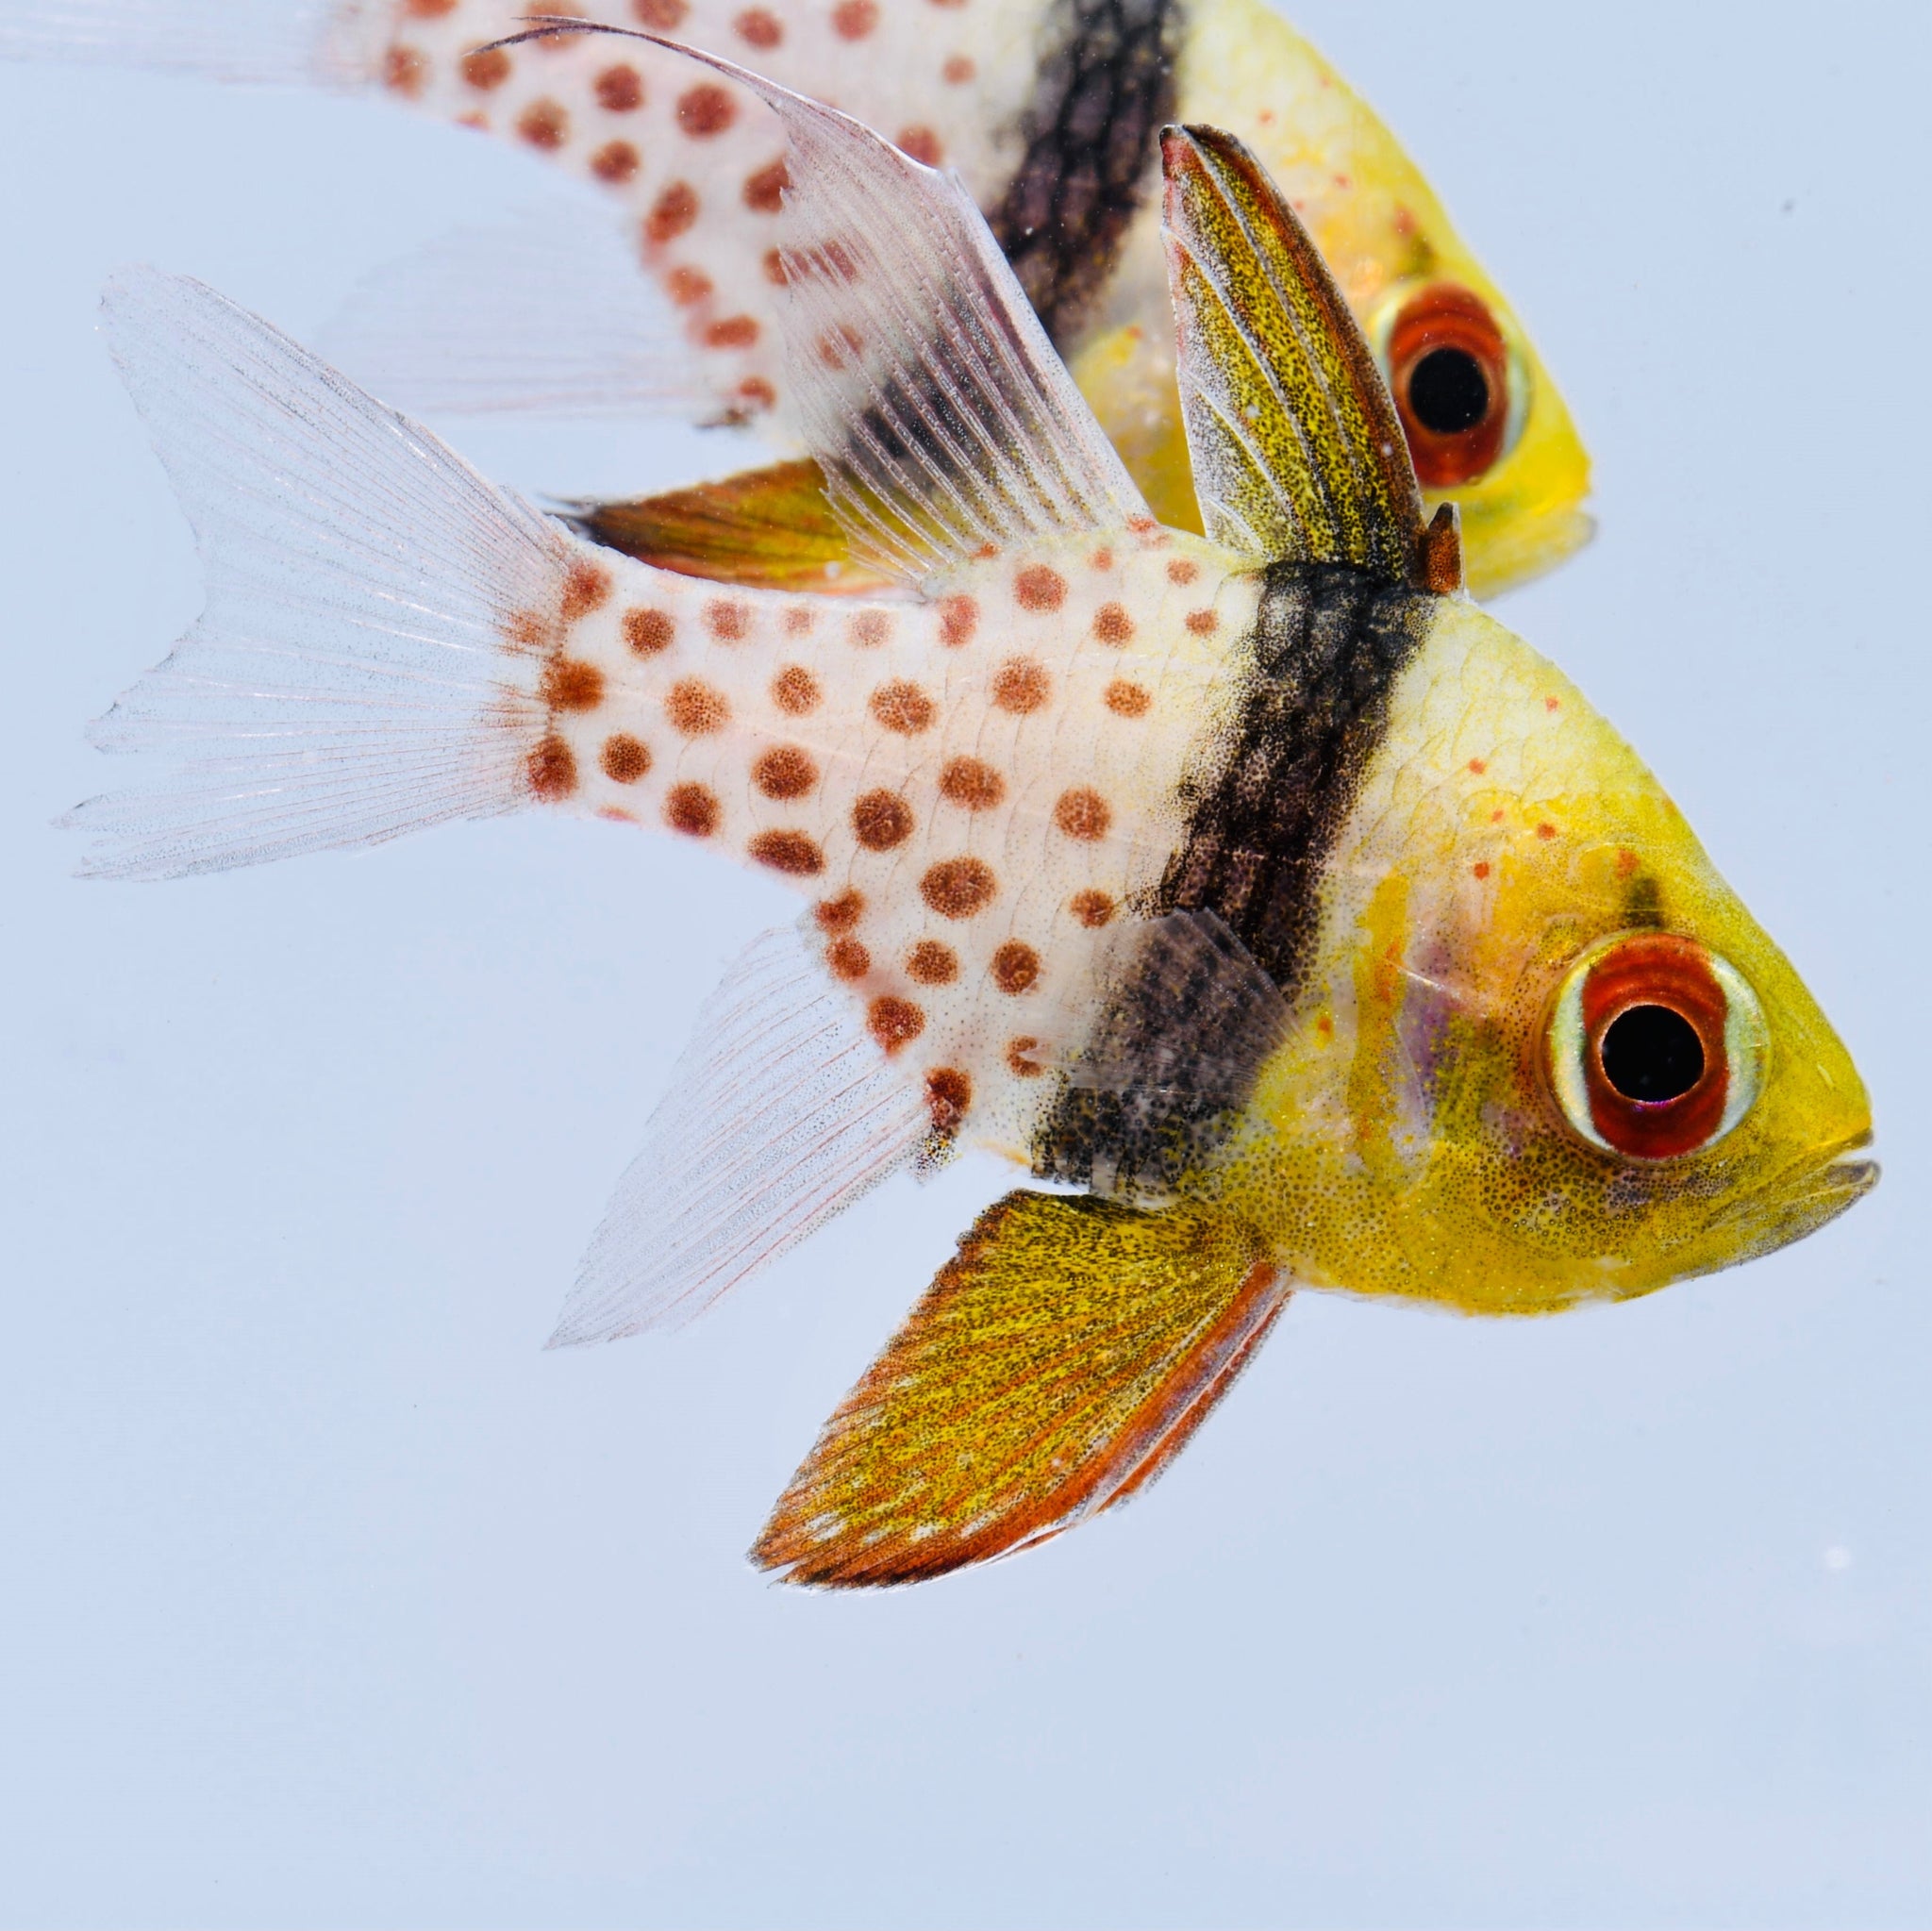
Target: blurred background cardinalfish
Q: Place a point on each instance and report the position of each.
(1047, 109)
(1255, 886)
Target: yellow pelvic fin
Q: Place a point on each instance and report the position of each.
(1297, 450)
(766, 529)
(1060, 1361)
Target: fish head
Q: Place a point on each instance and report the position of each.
(1544, 1054)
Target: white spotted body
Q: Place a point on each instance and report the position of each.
(697, 161)
(971, 790)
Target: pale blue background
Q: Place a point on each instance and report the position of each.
(328, 1599)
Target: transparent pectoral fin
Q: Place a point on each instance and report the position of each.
(781, 1112)
(1055, 1366)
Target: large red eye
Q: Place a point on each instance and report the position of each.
(1655, 1046)
(1449, 372)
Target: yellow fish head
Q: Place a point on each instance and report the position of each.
(1544, 1054)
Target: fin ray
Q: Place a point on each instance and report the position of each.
(1054, 1367)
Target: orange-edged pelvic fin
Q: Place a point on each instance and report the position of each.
(771, 528)
(1059, 1363)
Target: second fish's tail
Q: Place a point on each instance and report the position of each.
(371, 656)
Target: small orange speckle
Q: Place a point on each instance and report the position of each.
(1626, 863)
(1547, 830)
(1203, 622)
(840, 914)
(686, 285)
(1324, 1025)
(948, 1098)
(1127, 700)
(550, 769)
(775, 268)
(728, 622)
(1180, 570)
(662, 15)
(852, 20)
(692, 809)
(647, 632)
(929, 963)
(958, 888)
(757, 27)
(958, 620)
(903, 708)
(1092, 909)
(1036, 587)
(957, 69)
(571, 684)
(620, 90)
(791, 852)
(586, 588)
(881, 819)
(868, 630)
(893, 1021)
(1015, 968)
(1023, 1058)
(694, 708)
(798, 620)
(732, 332)
(847, 959)
(1477, 766)
(1481, 868)
(626, 758)
(785, 771)
(672, 214)
(705, 110)
(1082, 814)
(755, 392)
(1112, 624)
(971, 782)
(544, 125)
(1496, 816)
(795, 691)
(1553, 703)
(919, 144)
(1020, 686)
(1102, 559)
(764, 194)
(487, 68)
(616, 161)
(406, 70)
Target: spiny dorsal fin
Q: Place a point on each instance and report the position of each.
(941, 415)
(1296, 448)
(1056, 1365)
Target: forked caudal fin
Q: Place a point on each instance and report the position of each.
(353, 674)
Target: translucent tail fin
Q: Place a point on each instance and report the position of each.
(332, 42)
(354, 673)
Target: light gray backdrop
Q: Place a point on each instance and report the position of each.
(325, 1598)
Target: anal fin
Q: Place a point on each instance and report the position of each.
(1057, 1364)
(768, 528)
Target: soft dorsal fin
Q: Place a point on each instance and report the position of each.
(1057, 1364)
(1297, 451)
(926, 387)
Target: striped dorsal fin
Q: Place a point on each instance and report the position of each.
(1297, 452)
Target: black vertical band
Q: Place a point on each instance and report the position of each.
(1106, 87)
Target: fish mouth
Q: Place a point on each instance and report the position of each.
(1799, 1202)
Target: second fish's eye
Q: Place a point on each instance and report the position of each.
(1652, 1053)
(1448, 391)
(1449, 371)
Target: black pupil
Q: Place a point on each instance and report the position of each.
(1448, 391)
(1653, 1054)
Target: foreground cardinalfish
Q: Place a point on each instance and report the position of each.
(1256, 887)
(1048, 109)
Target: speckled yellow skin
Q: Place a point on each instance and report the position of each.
(1384, 236)
(1404, 1141)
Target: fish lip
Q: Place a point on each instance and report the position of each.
(1808, 1196)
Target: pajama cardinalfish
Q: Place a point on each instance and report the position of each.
(1307, 926)
(1047, 108)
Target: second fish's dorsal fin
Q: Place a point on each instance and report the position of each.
(1297, 452)
(943, 421)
